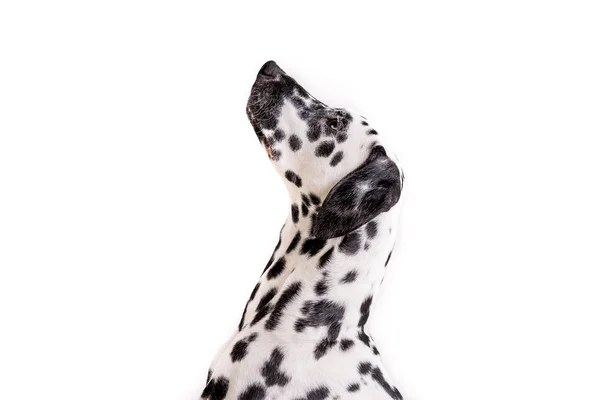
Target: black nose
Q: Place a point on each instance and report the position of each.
(270, 70)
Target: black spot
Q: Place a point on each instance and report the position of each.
(295, 143)
(253, 392)
(365, 123)
(334, 331)
(315, 199)
(388, 259)
(273, 254)
(312, 246)
(287, 296)
(254, 291)
(294, 243)
(363, 337)
(241, 324)
(323, 313)
(306, 307)
(341, 137)
(323, 347)
(300, 325)
(276, 268)
(353, 387)
(364, 368)
(304, 114)
(314, 132)
(321, 287)
(319, 393)
(266, 298)
(337, 157)
(325, 148)
(304, 210)
(275, 155)
(274, 251)
(270, 261)
(240, 349)
(377, 376)
(216, 389)
(305, 199)
(350, 243)
(365, 309)
(293, 177)
(295, 213)
(260, 314)
(271, 372)
(371, 229)
(375, 350)
(346, 344)
(397, 393)
(372, 132)
(278, 135)
(325, 258)
(349, 277)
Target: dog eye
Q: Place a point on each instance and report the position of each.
(332, 123)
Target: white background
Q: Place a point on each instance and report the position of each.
(137, 208)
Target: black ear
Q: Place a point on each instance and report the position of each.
(360, 196)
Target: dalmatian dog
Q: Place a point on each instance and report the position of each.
(302, 335)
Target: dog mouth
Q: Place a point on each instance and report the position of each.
(258, 131)
(265, 101)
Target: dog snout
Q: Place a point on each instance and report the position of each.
(270, 70)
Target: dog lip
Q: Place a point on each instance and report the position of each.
(255, 125)
(267, 147)
(261, 136)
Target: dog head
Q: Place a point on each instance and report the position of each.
(321, 151)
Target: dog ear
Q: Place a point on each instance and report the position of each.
(360, 196)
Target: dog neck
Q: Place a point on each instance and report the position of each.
(321, 289)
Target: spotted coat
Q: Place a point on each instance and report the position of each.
(303, 332)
